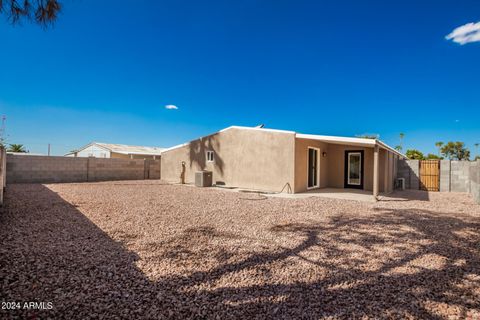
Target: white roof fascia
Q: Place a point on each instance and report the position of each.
(387, 147)
(339, 140)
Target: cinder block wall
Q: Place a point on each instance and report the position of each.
(43, 169)
(455, 176)
(474, 176)
(152, 169)
(445, 169)
(410, 171)
(38, 169)
(115, 169)
(460, 176)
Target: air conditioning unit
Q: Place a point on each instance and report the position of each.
(203, 178)
(400, 184)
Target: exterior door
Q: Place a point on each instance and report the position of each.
(313, 168)
(354, 169)
(430, 175)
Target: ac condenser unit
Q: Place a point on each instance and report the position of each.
(203, 178)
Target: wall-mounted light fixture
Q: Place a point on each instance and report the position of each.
(324, 154)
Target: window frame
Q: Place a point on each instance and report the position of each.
(212, 153)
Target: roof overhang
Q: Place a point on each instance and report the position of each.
(361, 142)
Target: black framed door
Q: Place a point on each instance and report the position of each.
(354, 173)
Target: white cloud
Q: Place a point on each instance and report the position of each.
(171, 107)
(467, 33)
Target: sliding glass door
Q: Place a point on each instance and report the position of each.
(313, 168)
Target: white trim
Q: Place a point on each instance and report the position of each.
(386, 146)
(207, 152)
(349, 153)
(338, 140)
(317, 185)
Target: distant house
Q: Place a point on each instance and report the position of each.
(110, 150)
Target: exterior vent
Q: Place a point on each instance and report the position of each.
(203, 178)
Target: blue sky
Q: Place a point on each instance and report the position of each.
(107, 69)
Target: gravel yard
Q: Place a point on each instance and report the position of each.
(142, 249)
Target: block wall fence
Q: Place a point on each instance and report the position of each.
(48, 169)
(455, 176)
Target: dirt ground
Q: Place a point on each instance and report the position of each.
(142, 249)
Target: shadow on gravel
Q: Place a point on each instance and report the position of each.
(406, 195)
(393, 263)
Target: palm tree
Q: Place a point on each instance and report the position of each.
(16, 148)
(402, 135)
(439, 145)
(476, 147)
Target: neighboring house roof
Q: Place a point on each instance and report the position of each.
(362, 142)
(124, 149)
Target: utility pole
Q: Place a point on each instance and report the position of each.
(2, 130)
(49, 149)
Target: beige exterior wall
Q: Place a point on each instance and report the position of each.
(245, 158)
(332, 167)
(301, 163)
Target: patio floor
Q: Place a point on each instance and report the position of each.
(353, 194)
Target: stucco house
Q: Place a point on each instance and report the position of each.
(279, 160)
(111, 150)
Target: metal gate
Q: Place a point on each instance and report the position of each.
(430, 175)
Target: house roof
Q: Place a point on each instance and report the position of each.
(126, 149)
(363, 142)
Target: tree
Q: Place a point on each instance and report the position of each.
(455, 151)
(414, 154)
(476, 148)
(43, 12)
(402, 135)
(432, 156)
(399, 148)
(439, 145)
(477, 158)
(17, 148)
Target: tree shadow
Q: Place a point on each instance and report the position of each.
(198, 152)
(393, 263)
(406, 195)
(441, 270)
